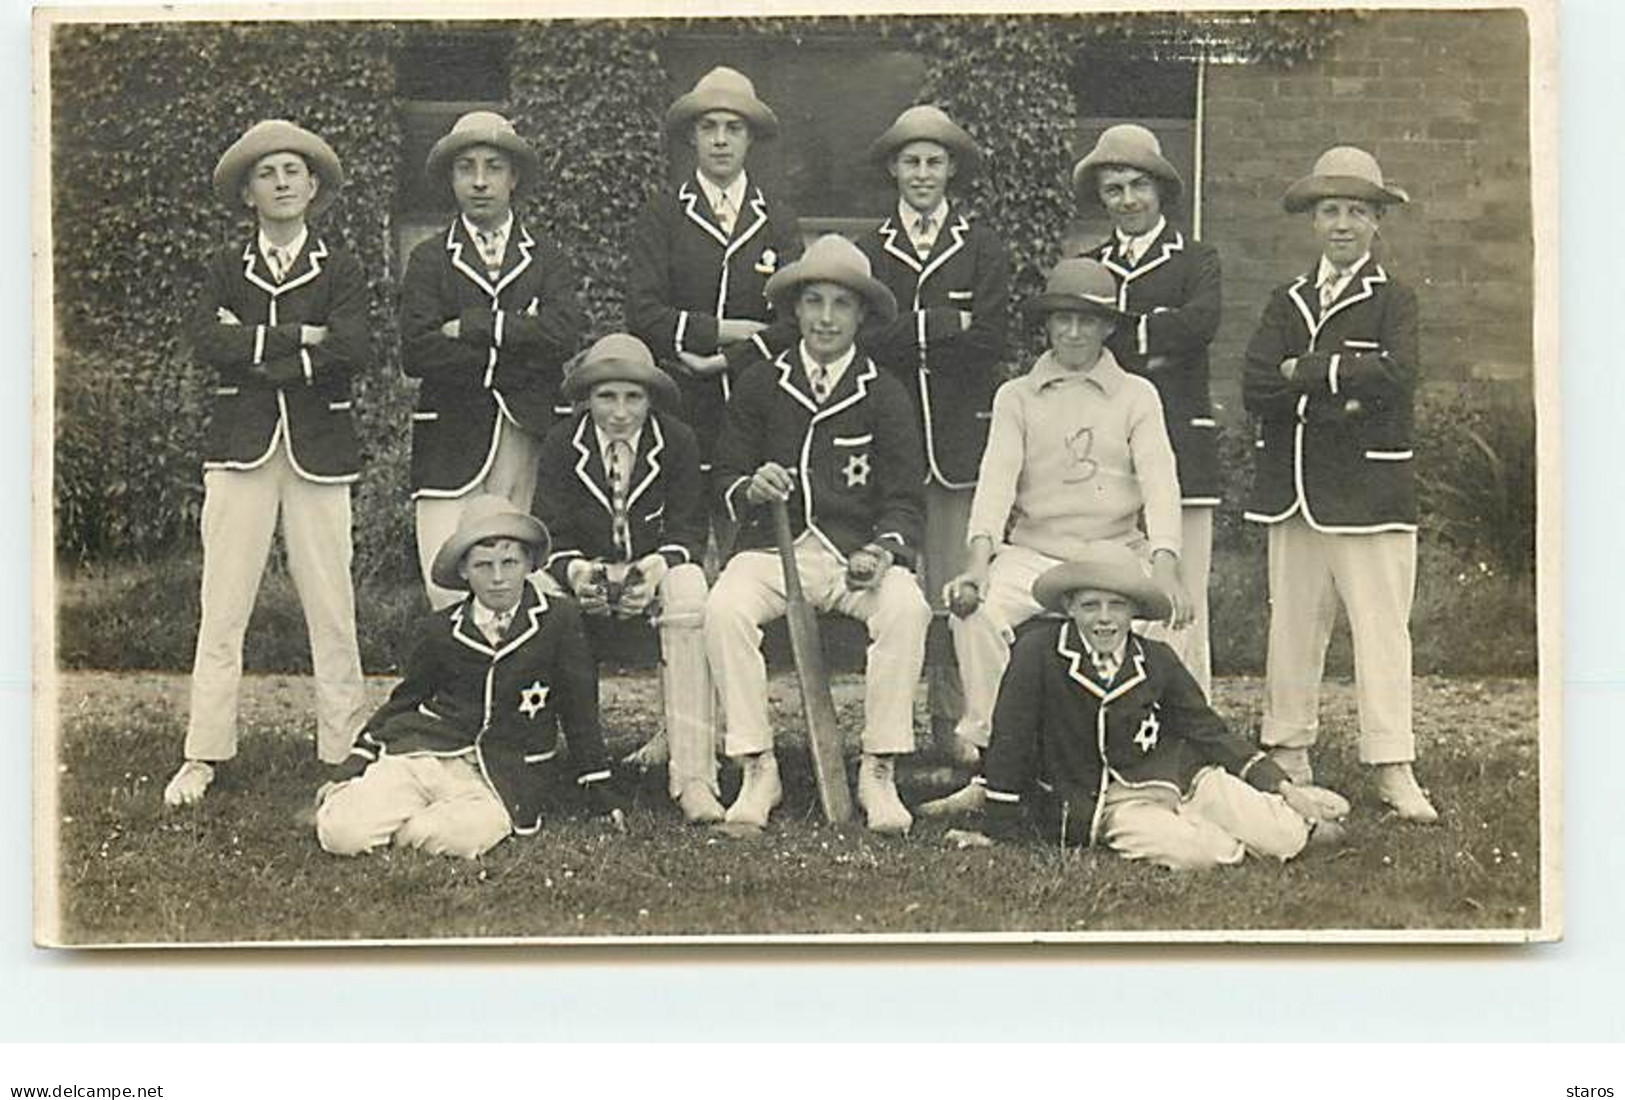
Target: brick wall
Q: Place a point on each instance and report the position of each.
(1441, 99)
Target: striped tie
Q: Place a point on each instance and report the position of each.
(620, 479)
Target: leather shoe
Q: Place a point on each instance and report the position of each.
(699, 804)
(877, 794)
(1397, 786)
(760, 792)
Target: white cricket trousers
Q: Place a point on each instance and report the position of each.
(1222, 820)
(439, 804)
(240, 513)
(1375, 577)
(511, 474)
(750, 592)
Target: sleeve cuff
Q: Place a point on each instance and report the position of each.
(728, 497)
(761, 345)
(1141, 336)
(259, 344)
(682, 330)
(304, 361)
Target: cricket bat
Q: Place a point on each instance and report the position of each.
(823, 735)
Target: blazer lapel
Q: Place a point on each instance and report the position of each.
(693, 203)
(465, 256)
(889, 232)
(646, 464)
(590, 464)
(517, 258)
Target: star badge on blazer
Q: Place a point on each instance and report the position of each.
(1149, 731)
(533, 699)
(857, 471)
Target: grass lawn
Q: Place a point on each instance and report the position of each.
(242, 867)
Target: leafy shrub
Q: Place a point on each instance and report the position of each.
(1476, 475)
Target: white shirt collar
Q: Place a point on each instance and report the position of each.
(485, 618)
(910, 217)
(292, 248)
(735, 191)
(1138, 246)
(501, 231)
(1328, 270)
(604, 442)
(1116, 656)
(833, 372)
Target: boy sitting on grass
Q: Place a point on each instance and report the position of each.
(1100, 734)
(455, 760)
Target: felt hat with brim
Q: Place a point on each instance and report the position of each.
(1077, 285)
(832, 259)
(928, 123)
(1126, 146)
(619, 357)
(481, 128)
(722, 89)
(278, 135)
(1106, 567)
(1344, 172)
(486, 517)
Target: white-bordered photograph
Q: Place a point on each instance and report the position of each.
(1020, 476)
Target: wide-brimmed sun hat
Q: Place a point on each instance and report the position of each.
(1108, 567)
(832, 259)
(1343, 172)
(722, 89)
(1126, 145)
(481, 128)
(278, 135)
(619, 357)
(929, 123)
(1078, 284)
(486, 517)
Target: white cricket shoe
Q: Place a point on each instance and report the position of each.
(189, 783)
(760, 792)
(877, 794)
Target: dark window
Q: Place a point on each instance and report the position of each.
(1124, 84)
(455, 66)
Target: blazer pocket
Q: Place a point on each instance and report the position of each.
(227, 391)
(340, 406)
(1390, 456)
(1362, 345)
(654, 515)
(853, 440)
(425, 417)
(1203, 422)
(961, 295)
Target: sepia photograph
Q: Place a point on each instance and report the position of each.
(1008, 475)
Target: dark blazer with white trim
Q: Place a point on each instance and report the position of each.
(506, 705)
(507, 361)
(684, 274)
(1058, 730)
(665, 508)
(1335, 441)
(856, 460)
(950, 373)
(265, 378)
(1172, 296)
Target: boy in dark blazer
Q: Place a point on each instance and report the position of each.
(702, 254)
(455, 760)
(1102, 736)
(489, 314)
(625, 502)
(283, 323)
(1331, 378)
(1168, 292)
(822, 428)
(951, 278)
